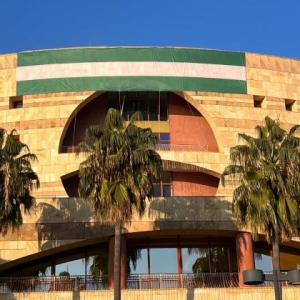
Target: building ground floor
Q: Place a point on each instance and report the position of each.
(149, 260)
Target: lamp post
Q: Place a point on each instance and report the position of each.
(256, 276)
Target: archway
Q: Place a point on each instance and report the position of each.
(176, 122)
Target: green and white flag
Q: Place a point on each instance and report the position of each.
(130, 69)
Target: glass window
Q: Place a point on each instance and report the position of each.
(164, 187)
(147, 103)
(163, 260)
(74, 267)
(139, 264)
(163, 107)
(46, 271)
(164, 138)
(153, 108)
(219, 259)
(97, 265)
(166, 192)
(206, 260)
(156, 190)
(195, 260)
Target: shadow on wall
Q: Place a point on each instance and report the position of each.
(192, 213)
(76, 295)
(65, 219)
(190, 294)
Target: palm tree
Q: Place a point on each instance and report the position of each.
(268, 171)
(118, 173)
(17, 180)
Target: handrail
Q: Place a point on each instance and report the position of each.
(158, 147)
(134, 281)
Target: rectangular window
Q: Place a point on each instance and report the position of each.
(156, 192)
(163, 112)
(164, 138)
(163, 260)
(163, 188)
(15, 102)
(290, 105)
(166, 189)
(259, 101)
(153, 109)
(208, 260)
(140, 265)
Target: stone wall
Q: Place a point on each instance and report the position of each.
(289, 293)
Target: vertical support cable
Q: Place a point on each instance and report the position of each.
(74, 130)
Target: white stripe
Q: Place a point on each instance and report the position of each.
(164, 69)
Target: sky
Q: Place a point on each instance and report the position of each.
(262, 26)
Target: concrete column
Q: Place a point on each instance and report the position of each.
(245, 255)
(123, 262)
(179, 266)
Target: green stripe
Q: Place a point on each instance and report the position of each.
(130, 84)
(60, 56)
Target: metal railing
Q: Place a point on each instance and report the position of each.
(181, 147)
(159, 147)
(171, 281)
(52, 283)
(138, 281)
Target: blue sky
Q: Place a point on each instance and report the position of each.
(263, 26)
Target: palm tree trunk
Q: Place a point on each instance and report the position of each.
(117, 289)
(276, 267)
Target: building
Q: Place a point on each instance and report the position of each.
(196, 100)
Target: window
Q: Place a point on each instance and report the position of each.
(151, 105)
(163, 188)
(140, 264)
(213, 259)
(258, 101)
(15, 102)
(290, 105)
(74, 267)
(163, 138)
(163, 260)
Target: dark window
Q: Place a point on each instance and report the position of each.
(163, 107)
(258, 101)
(153, 110)
(290, 104)
(164, 138)
(152, 106)
(163, 188)
(15, 102)
(166, 189)
(156, 192)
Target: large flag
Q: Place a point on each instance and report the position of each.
(130, 69)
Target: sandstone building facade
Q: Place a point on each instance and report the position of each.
(195, 100)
